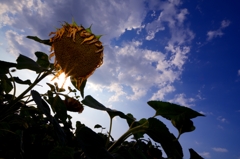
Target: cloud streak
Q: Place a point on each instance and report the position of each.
(219, 32)
(218, 149)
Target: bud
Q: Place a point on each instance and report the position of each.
(73, 105)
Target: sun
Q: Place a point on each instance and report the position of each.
(62, 80)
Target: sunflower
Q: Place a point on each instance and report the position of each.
(78, 52)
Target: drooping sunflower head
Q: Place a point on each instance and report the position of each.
(78, 52)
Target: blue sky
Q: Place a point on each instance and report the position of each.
(181, 51)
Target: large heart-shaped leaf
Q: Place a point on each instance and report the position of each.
(42, 59)
(158, 131)
(5, 66)
(24, 62)
(179, 115)
(93, 103)
(170, 110)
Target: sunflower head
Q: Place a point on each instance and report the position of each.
(78, 52)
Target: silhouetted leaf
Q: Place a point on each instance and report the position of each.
(6, 84)
(132, 123)
(46, 42)
(93, 103)
(170, 110)
(60, 108)
(179, 115)
(18, 80)
(81, 88)
(158, 131)
(51, 86)
(5, 66)
(183, 125)
(98, 126)
(42, 59)
(194, 155)
(24, 62)
(41, 104)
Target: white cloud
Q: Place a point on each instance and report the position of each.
(182, 15)
(174, 17)
(118, 91)
(218, 149)
(162, 92)
(41, 17)
(214, 34)
(225, 23)
(222, 119)
(126, 66)
(218, 33)
(205, 154)
(182, 100)
(238, 72)
(18, 44)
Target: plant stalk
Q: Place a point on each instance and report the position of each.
(131, 131)
(28, 89)
(109, 132)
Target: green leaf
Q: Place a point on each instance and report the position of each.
(194, 155)
(81, 89)
(179, 115)
(5, 66)
(41, 104)
(93, 103)
(6, 84)
(170, 111)
(98, 126)
(132, 123)
(24, 62)
(46, 42)
(60, 108)
(51, 86)
(158, 131)
(42, 59)
(18, 80)
(183, 125)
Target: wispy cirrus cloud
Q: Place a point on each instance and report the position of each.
(205, 154)
(222, 119)
(219, 149)
(219, 32)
